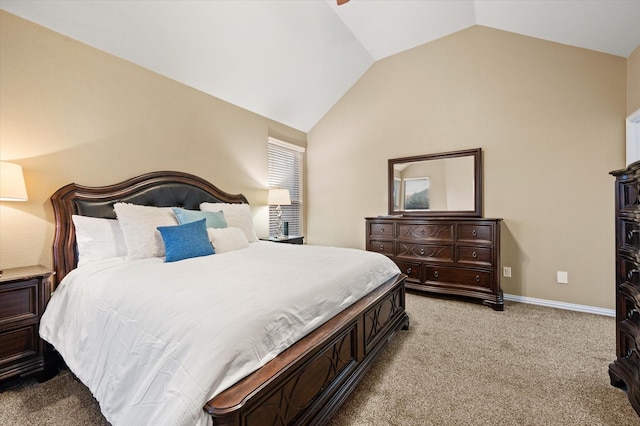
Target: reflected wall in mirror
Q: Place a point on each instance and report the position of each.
(444, 184)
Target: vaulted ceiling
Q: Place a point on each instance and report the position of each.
(292, 60)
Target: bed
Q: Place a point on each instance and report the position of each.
(302, 384)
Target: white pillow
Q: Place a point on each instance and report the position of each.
(139, 227)
(98, 239)
(236, 215)
(227, 239)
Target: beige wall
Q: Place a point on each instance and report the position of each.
(71, 113)
(550, 121)
(633, 81)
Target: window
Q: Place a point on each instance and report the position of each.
(285, 171)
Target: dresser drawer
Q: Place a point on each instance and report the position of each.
(18, 343)
(627, 319)
(629, 316)
(627, 198)
(19, 301)
(380, 246)
(412, 270)
(628, 298)
(381, 229)
(475, 255)
(477, 233)
(629, 271)
(457, 276)
(427, 252)
(629, 235)
(628, 339)
(426, 232)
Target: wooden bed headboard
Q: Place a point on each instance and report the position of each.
(159, 189)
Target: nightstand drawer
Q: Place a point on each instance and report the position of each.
(19, 301)
(18, 343)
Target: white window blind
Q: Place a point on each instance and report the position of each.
(285, 171)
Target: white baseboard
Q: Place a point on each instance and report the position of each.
(561, 305)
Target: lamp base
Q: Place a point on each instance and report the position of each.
(279, 233)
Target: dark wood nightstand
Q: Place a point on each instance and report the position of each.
(24, 293)
(287, 239)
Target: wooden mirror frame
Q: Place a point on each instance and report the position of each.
(477, 174)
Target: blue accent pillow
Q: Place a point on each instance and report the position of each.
(214, 219)
(186, 241)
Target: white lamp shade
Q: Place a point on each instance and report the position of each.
(279, 197)
(12, 187)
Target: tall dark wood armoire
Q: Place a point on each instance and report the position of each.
(625, 370)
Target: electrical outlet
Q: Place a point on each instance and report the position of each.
(506, 271)
(562, 277)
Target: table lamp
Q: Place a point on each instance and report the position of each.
(279, 197)
(12, 187)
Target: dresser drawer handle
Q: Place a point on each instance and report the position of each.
(422, 231)
(474, 254)
(632, 313)
(435, 274)
(408, 271)
(382, 230)
(630, 233)
(381, 247)
(474, 233)
(477, 278)
(421, 252)
(630, 273)
(630, 352)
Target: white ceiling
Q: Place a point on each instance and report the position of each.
(291, 60)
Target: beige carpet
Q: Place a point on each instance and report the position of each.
(459, 364)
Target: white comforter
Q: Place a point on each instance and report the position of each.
(154, 341)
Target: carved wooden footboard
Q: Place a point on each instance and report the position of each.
(308, 382)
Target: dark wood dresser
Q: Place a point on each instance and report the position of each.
(24, 293)
(454, 256)
(625, 370)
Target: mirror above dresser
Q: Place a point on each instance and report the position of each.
(443, 184)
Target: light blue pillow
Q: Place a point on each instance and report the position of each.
(214, 219)
(186, 241)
